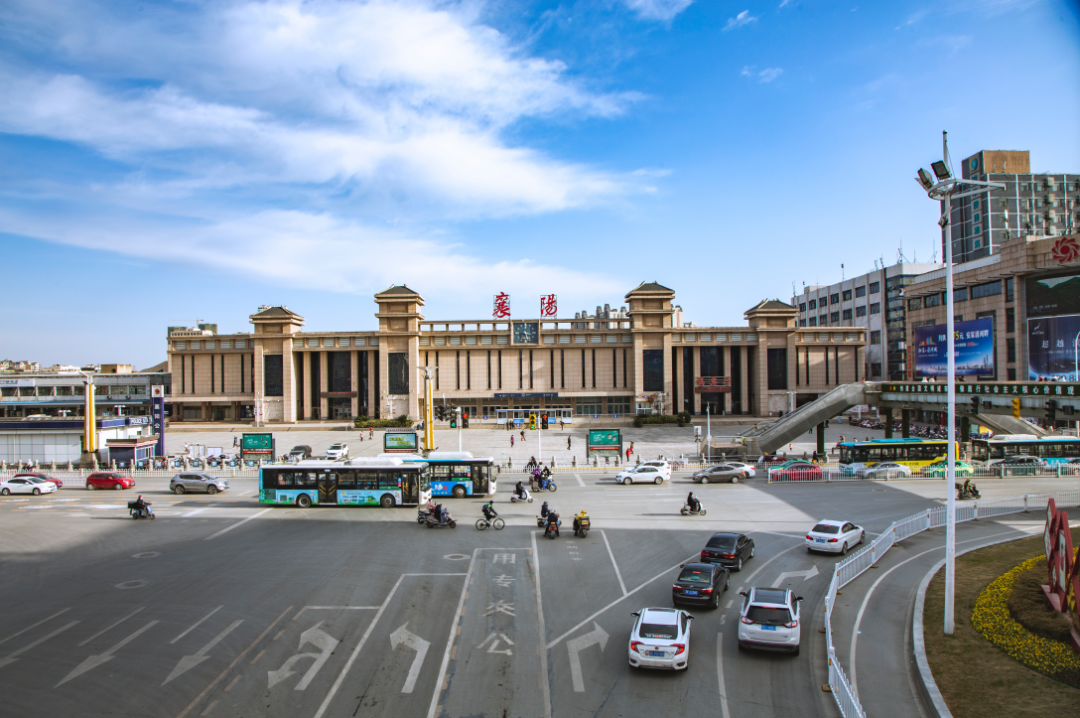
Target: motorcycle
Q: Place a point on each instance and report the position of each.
(422, 516)
(433, 523)
(542, 484)
(582, 526)
(687, 511)
(551, 530)
(136, 513)
(972, 492)
(514, 498)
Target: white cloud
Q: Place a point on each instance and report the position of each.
(784, 4)
(767, 75)
(743, 18)
(663, 10)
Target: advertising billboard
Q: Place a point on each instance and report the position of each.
(1052, 348)
(974, 349)
(399, 442)
(604, 442)
(257, 445)
(1053, 296)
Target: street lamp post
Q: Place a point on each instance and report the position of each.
(945, 189)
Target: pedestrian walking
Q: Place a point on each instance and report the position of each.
(628, 455)
(235, 442)
(511, 441)
(568, 443)
(631, 447)
(523, 435)
(371, 432)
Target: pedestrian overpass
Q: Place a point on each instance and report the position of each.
(991, 404)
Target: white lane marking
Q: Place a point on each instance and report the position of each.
(545, 686)
(576, 645)
(112, 626)
(93, 662)
(14, 656)
(221, 676)
(749, 580)
(44, 620)
(450, 639)
(188, 662)
(866, 598)
(316, 637)
(334, 608)
(238, 523)
(806, 575)
(729, 602)
(402, 636)
(618, 574)
(363, 639)
(192, 513)
(720, 673)
(580, 482)
(196, 624)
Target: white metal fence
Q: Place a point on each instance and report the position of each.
(851, 567)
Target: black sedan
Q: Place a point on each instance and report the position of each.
(728, 549)
(700, 583)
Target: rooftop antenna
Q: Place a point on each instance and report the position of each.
(841, 272)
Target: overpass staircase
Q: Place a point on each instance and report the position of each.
(767, 438)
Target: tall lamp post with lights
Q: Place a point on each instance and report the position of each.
(944, 187)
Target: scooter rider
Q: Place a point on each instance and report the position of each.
(553, 523)
(142, 507)
(692, 502)
(519, 490)
(580, 519)
(544, 510)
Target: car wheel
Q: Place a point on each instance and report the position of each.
(703, 480)
(796, 651)
(303, 501)
(178, 489)
(37, 492)
(741, 646)
(734, 479)
(458, 492)
(6, 492)
(843, 549)
(211, 489)
(89, 486)
(627, 481)
(738, 566)
(862, 537)
(659, 480)
(716, 601)
(727, 583)
(752, 548)
(118, 486)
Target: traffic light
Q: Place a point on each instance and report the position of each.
(975, 405)
(464, 421)
(543, 421)
(440, 412)
(453, 418)
(1016, 408)
(1051, 410)
(532, 422)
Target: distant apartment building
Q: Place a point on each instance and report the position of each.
(1037, 205)
(873, 301)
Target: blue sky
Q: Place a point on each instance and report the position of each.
(167, 161)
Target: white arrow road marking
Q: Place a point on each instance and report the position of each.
(188, 662)
(576, 645)
(12, 657)
(111, 626)
(807, 574)
(44, 620)
(316, 637)
(493, 648)
(413, 641)
(93, 662)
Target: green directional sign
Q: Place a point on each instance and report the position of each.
(604, 442)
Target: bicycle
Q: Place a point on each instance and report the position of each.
(496, 522)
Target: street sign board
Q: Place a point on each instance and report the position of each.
(257, 445)
(604, 442)
(400, 442)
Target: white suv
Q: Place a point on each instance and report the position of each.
(769, 619)
(652, 472)
(338, 451)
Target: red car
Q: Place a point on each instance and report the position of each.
(798, 472)
(108, 480)
(43, 477)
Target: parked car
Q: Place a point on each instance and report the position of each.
(197, 482)
(26, 485)
(798, 471)
(660, 638)
(720, 473)
(884, 470)
(769, 619)
(642, 473)
(728, 549)
(109, 480)
(1021, 465)
(700, 583)
(834, 536)
(338, 451)
(300, 452)
(45, 477)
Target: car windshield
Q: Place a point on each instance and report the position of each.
(658, 630)
(769, 616)
(724, 543)
(695, 575)
(826, 529)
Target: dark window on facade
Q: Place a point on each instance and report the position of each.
(834, 316)
(913, 304)
(847, 295)
(499, 358)
(1010, 350)
(875, 308)
(521, 369)
(274, 375)
(593, 368)
(183, 374)
(875, 337)
(986, 290)
(437, 372)
(709, 361)
(457, 369)
(834, 298)
(337, 365)
(813, 304)
(398, 372)
(875, 287)
(777, 368)
(1010, 320)
(489, 368)
(847, 314)
(802, 306)
(875, 369)
(823, 302)
(823, 320)
(860, 311)
(624, 368)
(802, 322)
(1011, 373)
(582, 368)
(652, 361)
(562, 368)
(860, 291)
(1010, 289)
(688, 379)
(614, 367)
(813, 321)
(551, 360)
(933, 300)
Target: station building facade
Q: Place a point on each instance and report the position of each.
(602, 369)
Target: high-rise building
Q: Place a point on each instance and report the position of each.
(1040, 205)
(872, 300)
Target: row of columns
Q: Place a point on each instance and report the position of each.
(678, 390)
(312, 398)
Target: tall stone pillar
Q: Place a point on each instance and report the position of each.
(354, 382)
(744, 374)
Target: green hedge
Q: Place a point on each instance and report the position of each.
(403, 421)
(682, 419)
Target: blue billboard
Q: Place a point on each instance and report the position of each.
(974, 349)
(1054, 348)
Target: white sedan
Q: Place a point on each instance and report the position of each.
(660, 639)
(834, 536)
(750, 470)
(338, 451)
(643, 474)
(884, 470)
(26, 485)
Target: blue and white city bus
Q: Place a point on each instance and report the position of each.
(1053, 450)
(456, 473)
(385, 482)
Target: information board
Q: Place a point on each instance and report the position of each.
(399, 442)
(257, 445)
(604, 442)
(973, 349)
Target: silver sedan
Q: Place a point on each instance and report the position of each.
(721, 473)
(885, 470)
(197, 482)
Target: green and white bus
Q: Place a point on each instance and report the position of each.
(354, 482)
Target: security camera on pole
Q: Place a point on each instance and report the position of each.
(944, 190)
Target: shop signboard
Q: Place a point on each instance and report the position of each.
(984, 389)
(1053, 296)
(1052, 348)
(974, 349)
(157, 416)
(712, 384)
(399, 442)
(604, 442)
(17, 382)
(260, 445)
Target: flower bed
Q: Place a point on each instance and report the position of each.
(992, 619)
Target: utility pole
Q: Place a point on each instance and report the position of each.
(457, 410)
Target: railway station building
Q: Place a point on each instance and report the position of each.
(602, 369)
